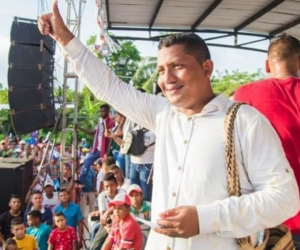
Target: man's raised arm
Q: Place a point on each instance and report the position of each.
(99, 78)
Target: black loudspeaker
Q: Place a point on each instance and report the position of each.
(15, 178)
(30, 77)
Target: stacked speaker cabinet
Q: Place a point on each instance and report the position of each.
(30, 77)
(15, 178)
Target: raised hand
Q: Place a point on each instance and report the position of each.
(52, 24)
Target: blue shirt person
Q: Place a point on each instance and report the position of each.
(37, 229)
(71, 211)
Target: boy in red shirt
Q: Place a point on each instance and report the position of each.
(125, 232)
(63, 237)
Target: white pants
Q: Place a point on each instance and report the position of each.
(90, 198)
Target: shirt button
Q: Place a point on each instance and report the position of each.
(174, 194)
(286, 170)
(185, 142)
(179, 168)
(169, 248)
(190, 118)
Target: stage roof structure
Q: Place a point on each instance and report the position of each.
(260, 19)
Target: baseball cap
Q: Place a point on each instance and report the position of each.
(134, 187)
(120, 200)
(49, 182)
(85, 150)
(83, 139)
(22, 142)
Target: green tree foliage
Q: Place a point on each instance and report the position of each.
(228, 82)
(146, 75)
(124, 62)
(3, 95)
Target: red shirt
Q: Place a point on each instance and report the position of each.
(279, 101)
(105, 141)
(62, 240)
(126, 234)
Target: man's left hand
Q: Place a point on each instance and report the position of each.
(181, 222)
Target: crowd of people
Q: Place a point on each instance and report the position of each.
(102, 177)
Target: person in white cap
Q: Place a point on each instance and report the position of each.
(50, 198)
(125, 232)
(22, 145)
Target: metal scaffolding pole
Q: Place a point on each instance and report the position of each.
(73, 21)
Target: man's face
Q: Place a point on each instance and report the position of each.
(104, 113)
(118, 118)
(60, 222)
(18, 231)
(67, 171)
(37, 199)
(182, 78)
(12, 145)
(3, 146)
(15, 204)
(120, 212)
(136, 198)
(49, 190)
(22, 146)
(64, 197)
(110, 187)
(118, 174)
(28, 150)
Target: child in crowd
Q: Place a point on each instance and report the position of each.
(125, 232)
(11, 244)
(63, 237)
(103, 169)
(24, 241)
(39, 230)
(140, 208)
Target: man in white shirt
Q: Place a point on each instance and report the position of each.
(50, 198)
(190, 200)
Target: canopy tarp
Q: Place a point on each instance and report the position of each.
(262, 19)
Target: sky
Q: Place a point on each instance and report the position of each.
(224, 58)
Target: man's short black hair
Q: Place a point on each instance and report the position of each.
(17, 221)
(105, 106)
(109, 161)
(15, 196)
(283, 47)
(37, 192)
(112, 167)
(59, 214)
(110, 177)
(62, 190)
(35, 214)
(194, 45)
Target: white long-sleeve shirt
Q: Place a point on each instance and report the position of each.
(190, 161)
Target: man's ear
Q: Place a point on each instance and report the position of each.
(208, 67)
(267, 68)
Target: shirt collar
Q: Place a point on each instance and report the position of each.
(42, 210)
(217, 104)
